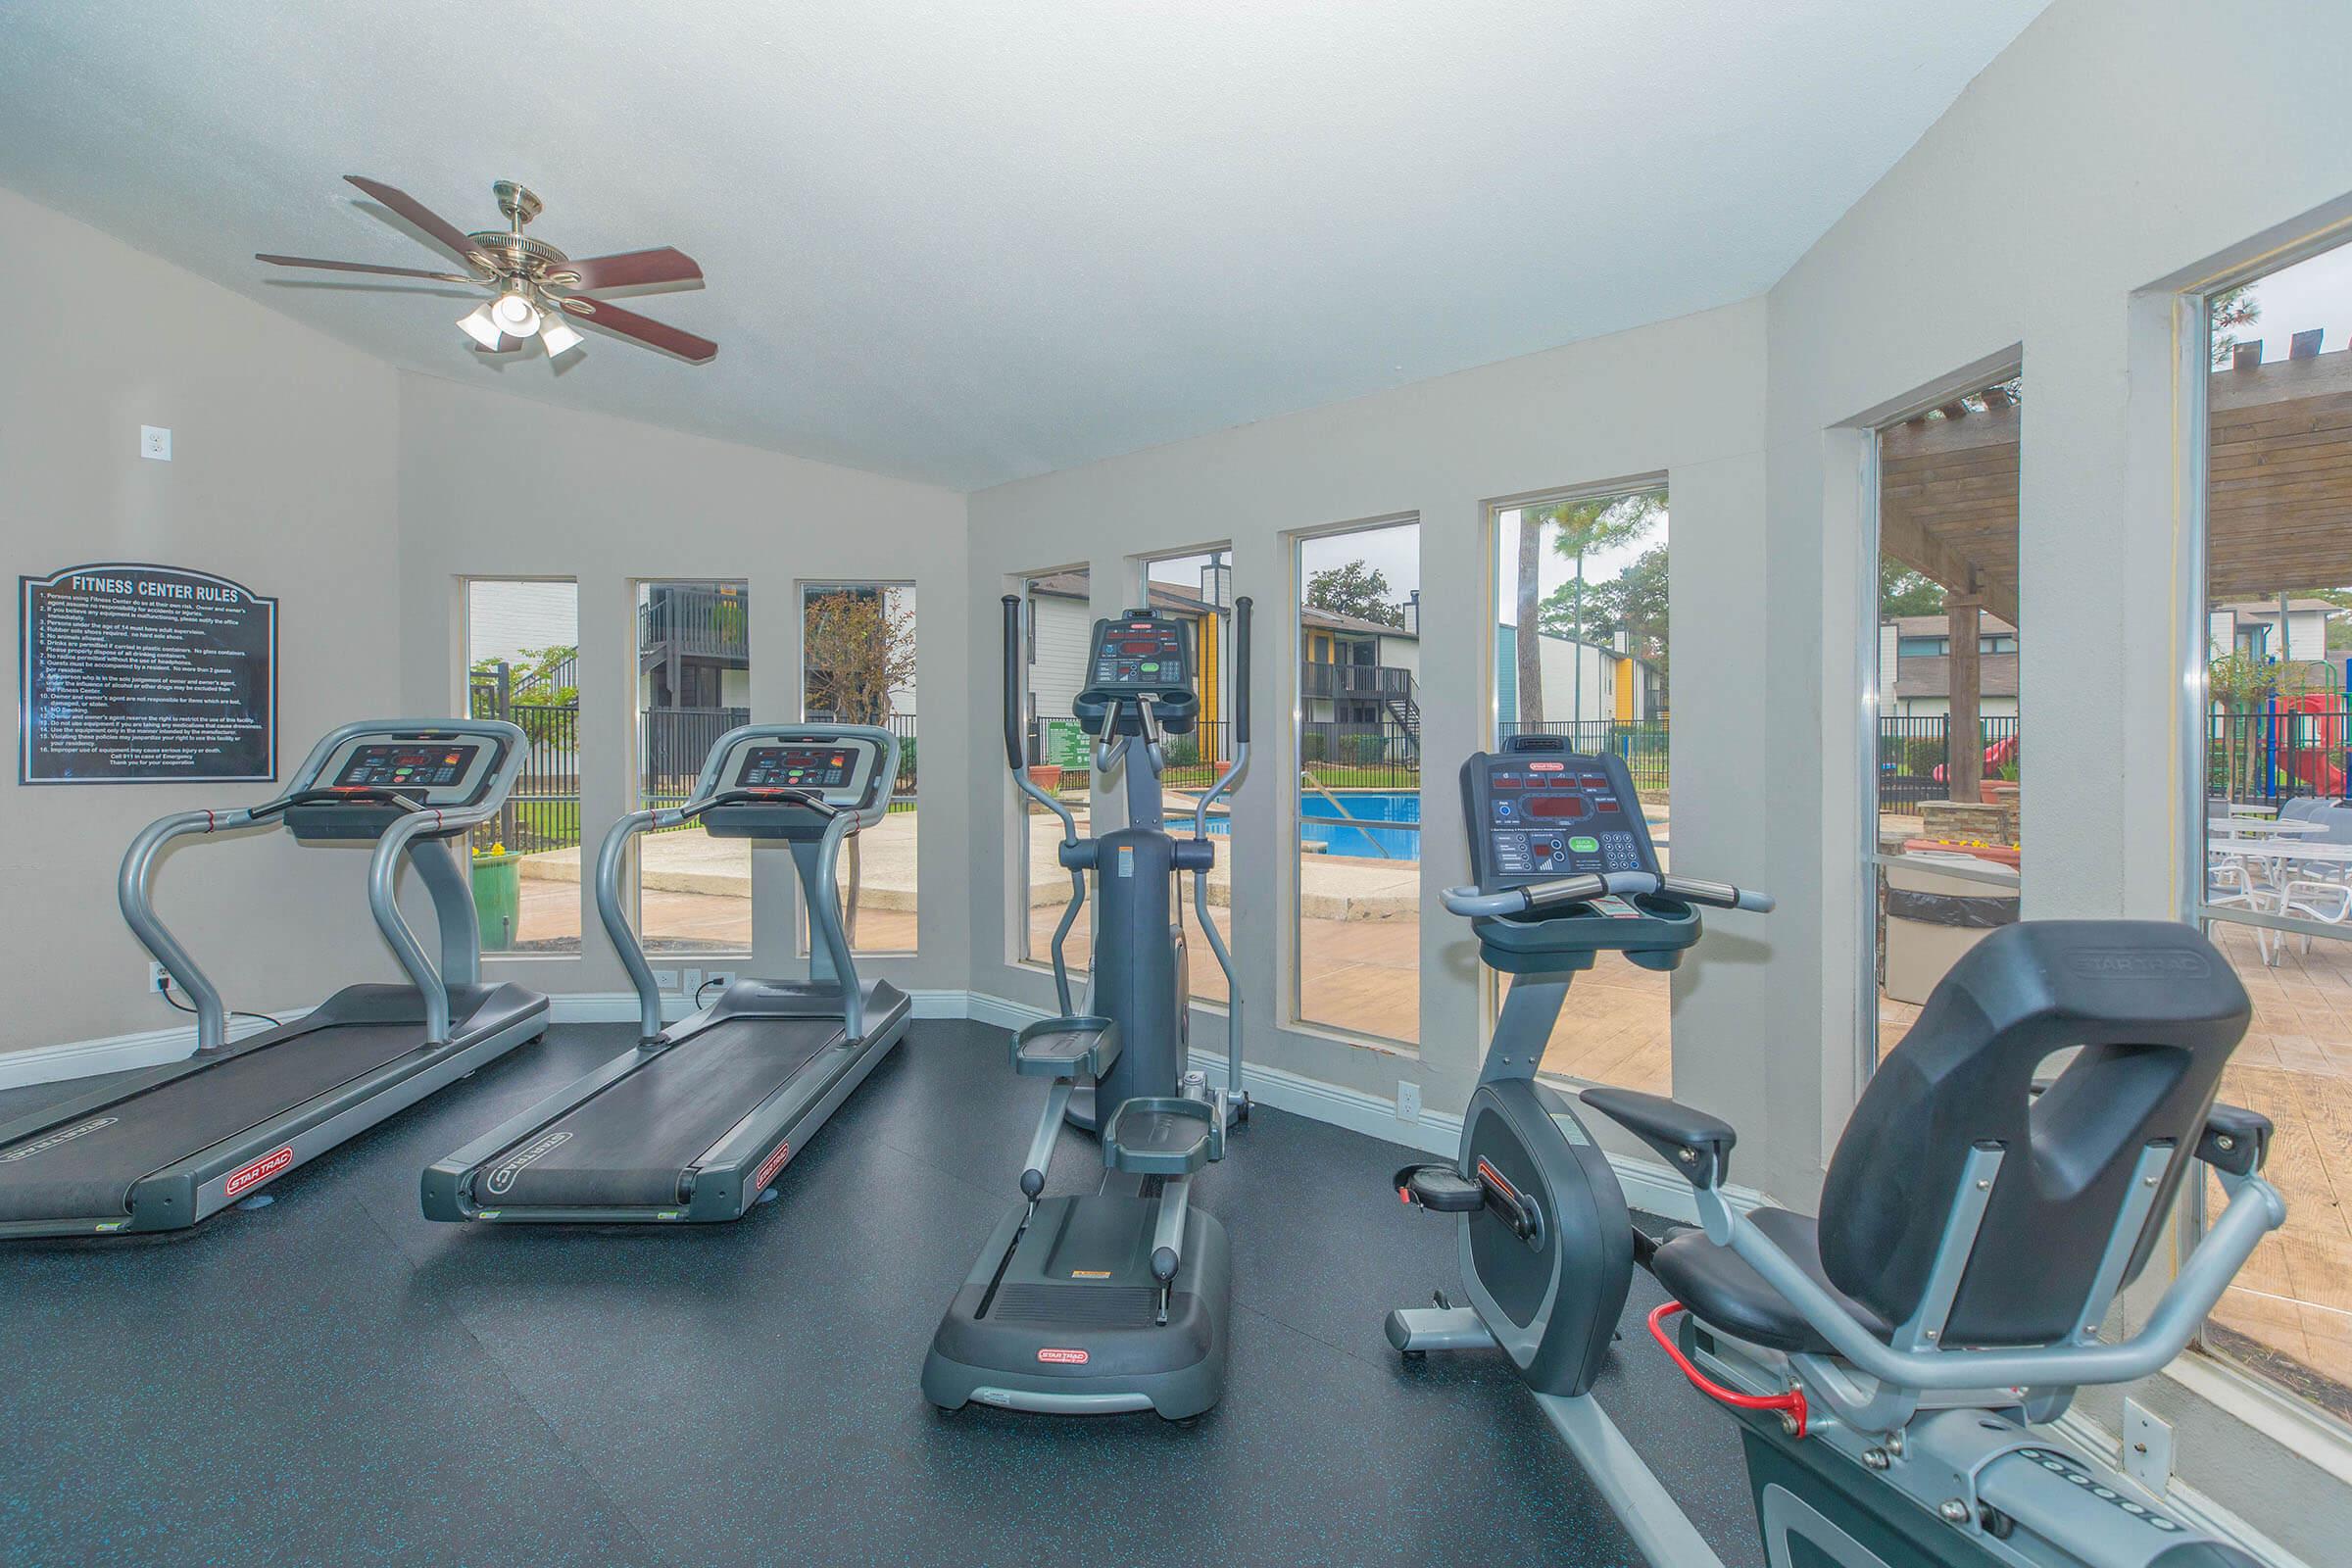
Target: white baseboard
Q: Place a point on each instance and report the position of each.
(620, 1006)
(1649, 1187)
(148, 1048)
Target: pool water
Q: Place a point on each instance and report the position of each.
(1336, 827)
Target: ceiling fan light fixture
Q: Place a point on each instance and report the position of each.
(514, 315)
(481, 325)
(558, 334)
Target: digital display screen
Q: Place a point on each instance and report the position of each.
(1141, 654)
(1569, 806)
(409, 765)
(800, 767)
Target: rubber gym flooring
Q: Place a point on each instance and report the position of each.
(334, 1379)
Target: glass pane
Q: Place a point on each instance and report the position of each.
(1199, 587)
(2279, 648)
(694, 677)
(1942, 819)
(1588, 574)
(1359, 782)
(1061, 625)
(523, 655)
(858, 660)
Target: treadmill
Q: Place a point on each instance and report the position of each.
(162, 1148)
(695, 1122)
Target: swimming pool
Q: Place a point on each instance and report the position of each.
(1331, 820)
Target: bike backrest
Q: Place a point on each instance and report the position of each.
(2151, 1012)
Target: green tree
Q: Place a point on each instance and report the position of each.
(1633, 604)
(1355, 589)
(1904, 592)
(1576, 529)
(2226, 311)
(534, 672)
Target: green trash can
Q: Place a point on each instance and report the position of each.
(497, 898)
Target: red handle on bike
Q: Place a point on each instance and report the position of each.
(1792, 1403)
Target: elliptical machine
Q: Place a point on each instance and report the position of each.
(1115, 1299)
(1888, 1361)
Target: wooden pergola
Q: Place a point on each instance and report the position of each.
(2278, 516)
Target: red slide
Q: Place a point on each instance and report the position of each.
(2317, 761)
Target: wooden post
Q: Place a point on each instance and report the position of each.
(1964, 743)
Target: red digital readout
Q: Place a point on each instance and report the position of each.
(1567, 805)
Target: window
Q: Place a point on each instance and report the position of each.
(2277, 738)
(1585, 576)
(1940, 811)
(858, 665)
(694, 677)
(522, 660)
(1058, 612)
(1358, 857)
(1199, 588)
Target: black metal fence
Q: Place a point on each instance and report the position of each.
(1644, 744)
(543, 813)
(1915, 750)
(672, 744)
(2282, 750)
(1361, 753)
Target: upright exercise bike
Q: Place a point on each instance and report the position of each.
(1891, 1362)
(1115, 1299)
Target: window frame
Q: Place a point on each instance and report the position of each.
(1291, 946)
(1019, 820)
(803, 588)
(462, 701)
(1491, 986)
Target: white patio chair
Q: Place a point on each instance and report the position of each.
(2230, 885)
(2329, 902)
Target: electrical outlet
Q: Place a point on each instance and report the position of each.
(154, 442)
(720, 979)
(690, 982)
(1409, 1099)
(2147, 1447)
(666, 980)
(159, 978)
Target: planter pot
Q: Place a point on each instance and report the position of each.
(1045, 776)
(496, 898)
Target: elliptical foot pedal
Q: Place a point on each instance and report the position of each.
(1082, 1047)
(1440, 1189)
(1162, 1135)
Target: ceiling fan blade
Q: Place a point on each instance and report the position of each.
(362, 266)
(440, 230)
(640, 329)
(635, 269)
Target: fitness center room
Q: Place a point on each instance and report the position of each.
(1005, 783)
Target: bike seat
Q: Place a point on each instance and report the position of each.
(1723, 1292)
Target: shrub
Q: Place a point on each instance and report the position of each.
(1922, 755)
(1314, 746)
(1181, 750)
(1364, 751)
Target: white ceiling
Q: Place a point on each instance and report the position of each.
(969, 240)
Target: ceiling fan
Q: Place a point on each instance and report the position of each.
(533, 285)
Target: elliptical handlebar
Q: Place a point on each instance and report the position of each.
(1012, 683)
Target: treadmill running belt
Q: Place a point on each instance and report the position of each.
(629, 1146)
(92, 1174)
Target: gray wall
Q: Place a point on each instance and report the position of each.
(492, 486)
(1682, 398)
(2116, 147)
(281, 478)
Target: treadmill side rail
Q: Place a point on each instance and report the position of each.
(194, 1186)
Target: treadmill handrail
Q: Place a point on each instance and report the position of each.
(611, 856)
(134, 883)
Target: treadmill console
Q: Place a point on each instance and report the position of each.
(1142, 655)
(842, 767)
(430, 767)
(1538, 811)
